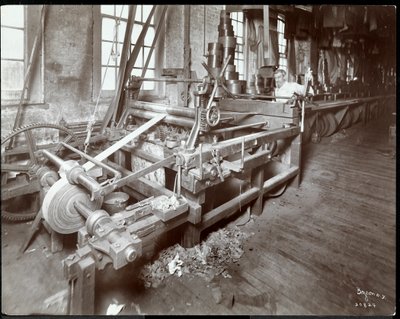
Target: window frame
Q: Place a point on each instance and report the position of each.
(29, 34)
(97, 52)
(240, 47)
(282, 48)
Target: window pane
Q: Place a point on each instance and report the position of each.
(12, 75)
(12, 43)
(107, 9)
(148, 39)
(109, 81)
(105, 53)
(136, 72)
(136, 32)
(119, 50)
(240, 66)
(12, 15)
(147, 85)
(139, 60)
(146, 54)
(240, 29)
(121, 31)
(146, 12)
(234, 24)
(124, 9)
(240, 16)
(107, 29)
(138, 15)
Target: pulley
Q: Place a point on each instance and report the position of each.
(213, 115)
(58, 206)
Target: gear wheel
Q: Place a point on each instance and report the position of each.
(29, 169)
(36, 126)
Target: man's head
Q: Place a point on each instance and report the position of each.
(280, 77)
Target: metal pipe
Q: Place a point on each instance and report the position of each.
(229, 208)
(235, 128)
(179, 177)
(50, 180)
(173, 80)
(273, 182)
(171, 119)
(172, 110)
(89, 183)
(116, 174)
(54, 158)
(82, 178)
(83, 209)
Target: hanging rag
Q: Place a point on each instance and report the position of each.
(333, 16)
(291, 57)
(260, 47)
(332, 64)
(303, 27)
(252, 36)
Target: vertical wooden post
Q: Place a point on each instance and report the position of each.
(56, 242)
(267, 48)
(186, 53)
(191, 233)
(295, 157)
(257, 180)
(82, 288)
(191, 236)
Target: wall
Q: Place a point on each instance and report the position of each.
(200, 35)
(68, 61)
(68, 70)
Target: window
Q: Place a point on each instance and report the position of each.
(20, 25)
(113, 25)
(238, 29)
(12, 51)
(282, 42)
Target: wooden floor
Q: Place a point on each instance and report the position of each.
(314, 250)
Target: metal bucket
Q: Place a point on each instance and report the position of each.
(226, 32)
(213, 47)
(214, 60)
(231, 75)
(234, 86)
(115, 202)
(227, 42)
(230, 68)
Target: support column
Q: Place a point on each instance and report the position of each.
(82, 288)
(295, 157)
(257, 180)
(191, 232)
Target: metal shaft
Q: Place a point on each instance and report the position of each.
(180, 121)
(83, 209)
(172, 110)
(93, 160)
(235, 128)
(54, 158)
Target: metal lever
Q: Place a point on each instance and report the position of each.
(217, 163)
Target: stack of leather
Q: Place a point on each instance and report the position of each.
(227, 39)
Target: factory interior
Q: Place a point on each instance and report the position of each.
(198, 159)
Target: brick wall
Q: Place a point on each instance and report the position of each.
(68, 61)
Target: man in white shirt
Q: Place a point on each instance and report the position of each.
(288, 89)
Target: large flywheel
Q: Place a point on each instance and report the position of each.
(58, 206)
(22, 165)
